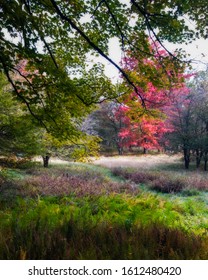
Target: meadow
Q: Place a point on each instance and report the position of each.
(107, 209)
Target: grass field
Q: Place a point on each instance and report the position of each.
(143, 207)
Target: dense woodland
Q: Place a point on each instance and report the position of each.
(56, 101)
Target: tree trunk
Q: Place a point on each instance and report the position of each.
(205, 165)
(120, 150)
(186, 153)
(45, 160)
(130, 149)
(205, 161)
(198, 158)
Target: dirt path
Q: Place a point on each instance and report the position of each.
(143, 162)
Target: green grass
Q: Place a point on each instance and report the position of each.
(105, 227)
(81, 211)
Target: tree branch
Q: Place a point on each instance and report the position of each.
(145, 15)
(40, 33)
(99, 4)
(19, 95)
(95, 47)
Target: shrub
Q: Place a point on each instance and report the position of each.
(168, 185)
(197, 182)
(165, 182)
(64, 185)
(135, 176)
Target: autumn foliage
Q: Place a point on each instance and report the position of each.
(160, 87)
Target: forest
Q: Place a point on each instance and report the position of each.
(90, 167)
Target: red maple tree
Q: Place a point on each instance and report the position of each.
(160, 85)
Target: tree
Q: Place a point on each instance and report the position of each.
(200, 90)
(188, 118)
(180, 119)
(56, 37)
(157, 87)
(106, 123)
(19, 136)
(56, 101)
(146, 134)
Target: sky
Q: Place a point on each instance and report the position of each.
(198, 51)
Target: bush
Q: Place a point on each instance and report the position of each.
(165, 181)
(47, 184)
(198, 182)
(168, 185)
(15, 162)
(135, 176)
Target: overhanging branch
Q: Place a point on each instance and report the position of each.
(6, 71)
(95, 47)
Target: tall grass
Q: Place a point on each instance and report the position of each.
(59, 182)
(77, 212)
(105, 227)
(163, 181)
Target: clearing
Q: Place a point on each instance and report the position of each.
(140, 161)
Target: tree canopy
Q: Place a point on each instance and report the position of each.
(56, 38)
(188, 118)
(19, 136)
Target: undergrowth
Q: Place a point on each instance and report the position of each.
(79, 212)
(79, 181)
(105, 227)
(166, 182)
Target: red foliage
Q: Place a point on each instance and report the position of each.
(145, 134)
(162, 87)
